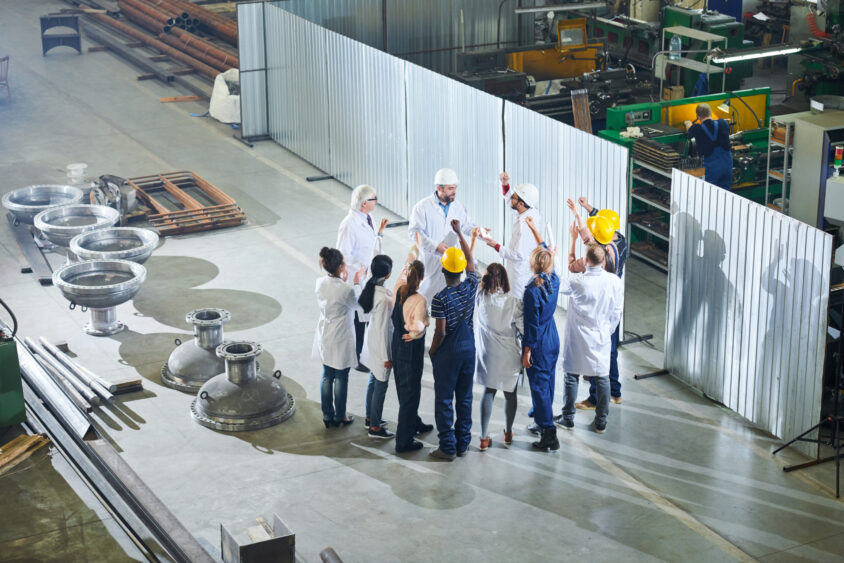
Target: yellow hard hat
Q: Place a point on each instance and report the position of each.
(612, 216)
(601, 229)
(453, 260)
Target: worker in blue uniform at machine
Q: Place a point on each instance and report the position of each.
(712, 138)
(453, 349)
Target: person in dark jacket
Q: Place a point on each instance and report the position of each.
(712, 137)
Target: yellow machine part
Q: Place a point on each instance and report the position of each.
(738, 114)
(572, 57)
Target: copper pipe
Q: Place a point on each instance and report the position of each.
(194, 52)
(189, 38)
(200, 67)
(222, 26)
(147, 10)
(140, 18)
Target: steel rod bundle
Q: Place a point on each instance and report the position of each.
(81, 374)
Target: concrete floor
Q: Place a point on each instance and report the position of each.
(674, 478)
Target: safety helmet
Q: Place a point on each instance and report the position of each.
(453, 260)
(612, 216)
(601, 229)
(528, 194)
(446, 177)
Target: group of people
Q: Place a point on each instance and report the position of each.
(490, 330)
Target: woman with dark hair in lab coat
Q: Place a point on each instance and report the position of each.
(498, 361)
(334, 339)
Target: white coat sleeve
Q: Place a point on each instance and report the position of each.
(519, 315)
(346, 245)
(618, 304)
(467, 224)
(567, 285)
(519, 255)
(376, 250)
(418, 224)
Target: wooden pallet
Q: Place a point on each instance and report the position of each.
(185, 214)
(20, 448)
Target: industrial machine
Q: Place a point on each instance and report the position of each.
(12, 410)
(661, 144)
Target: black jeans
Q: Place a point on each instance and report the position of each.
(408, 376)
(359, 330)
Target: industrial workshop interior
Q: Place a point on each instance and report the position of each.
(264, 267)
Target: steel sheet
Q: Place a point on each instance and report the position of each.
(367, 116)
(746, 320)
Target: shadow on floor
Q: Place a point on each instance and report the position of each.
(172, 279)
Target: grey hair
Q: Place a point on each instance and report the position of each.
(360, 194)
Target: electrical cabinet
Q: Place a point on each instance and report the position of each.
(11, 392)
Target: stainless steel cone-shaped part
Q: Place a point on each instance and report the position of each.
(100, 285)
(116, 243)
(25, 203)
(242, 398)
(193, 363)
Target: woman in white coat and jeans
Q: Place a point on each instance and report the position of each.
(377, 302)
(499, 356)
(334, 340)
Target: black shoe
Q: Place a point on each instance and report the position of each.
(349, 419)
(330, 423)
(548, 441)
(381, 433)
(561, 422)
(462, 454)
(439, 454)
(423, 428)
(414, 445)
(368, 425)
(534, 428)
(599, 429)
(361, 367)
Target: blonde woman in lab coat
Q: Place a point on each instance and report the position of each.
(334, 340)
(376, 301)
(498, 360)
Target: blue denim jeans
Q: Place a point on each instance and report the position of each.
(453, 378)
(335, 383)
(602, 407)
(374, 404)
(615, 384)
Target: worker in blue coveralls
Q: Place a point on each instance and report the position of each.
(541, 343)
(453, 350)
(712, 137)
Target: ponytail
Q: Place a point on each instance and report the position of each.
(367, 296)
(415, 273)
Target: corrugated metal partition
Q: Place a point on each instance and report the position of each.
(452, 125)
(746, 319)
(563, 162)
(367, 116)
(357, 19)
(297, 85)
(253, 72)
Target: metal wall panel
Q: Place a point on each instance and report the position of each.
(253, 89)
(746, 321)
(367, 115)
(452, 125)
(563, 162)
(357, 19)
(297, 85)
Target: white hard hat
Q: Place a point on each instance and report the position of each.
(446, 177)
(528, 194)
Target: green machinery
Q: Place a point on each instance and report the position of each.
(11, 394)
(650, 186)
(638, 42)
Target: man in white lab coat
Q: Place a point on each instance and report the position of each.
(516, 255)
(596, 301)
(359, 242)
(431, 220)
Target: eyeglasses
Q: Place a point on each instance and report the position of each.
(373, 199)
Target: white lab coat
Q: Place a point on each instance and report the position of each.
(434, 227)
(334, 339)
(379, 334)
(596, 301)
(359, 243)
(498, 358)
(516, 255)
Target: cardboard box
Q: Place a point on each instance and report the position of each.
(673, 93)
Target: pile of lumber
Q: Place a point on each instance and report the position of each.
(20, 448)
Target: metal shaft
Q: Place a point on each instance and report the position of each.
(71, 385)
(71, 365)
(241, 371)
(208, 337)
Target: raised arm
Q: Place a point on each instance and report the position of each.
(575, 266)
(582, 229)
(537, 236)
(464, 246)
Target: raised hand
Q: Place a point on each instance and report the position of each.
(571, 205)
(504, 178)
(383, 225)
(584, 203)
(529, 221)
(573, 230)
(455, 224)
(359, 275)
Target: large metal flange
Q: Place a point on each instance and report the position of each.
(240, 351)
(173, 381)
(240, 424)
(208, 317)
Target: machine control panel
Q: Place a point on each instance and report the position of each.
(635, 117)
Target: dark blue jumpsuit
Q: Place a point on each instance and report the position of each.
(541, 337)
(408, 361)
(713, 143)
(454, 368)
